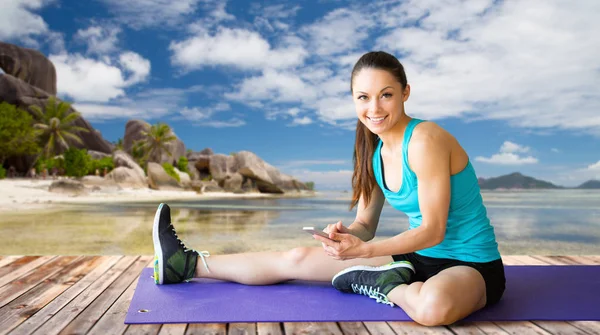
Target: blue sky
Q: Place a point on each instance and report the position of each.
(516, 82)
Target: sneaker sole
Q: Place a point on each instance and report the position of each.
(157, 246)
(370, 268)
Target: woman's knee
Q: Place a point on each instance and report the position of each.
(296, 256)
(436, 308)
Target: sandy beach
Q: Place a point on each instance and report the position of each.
(22, 195)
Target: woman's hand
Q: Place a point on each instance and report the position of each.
(337, 227)
(344, 244)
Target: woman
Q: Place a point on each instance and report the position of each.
(445, 267)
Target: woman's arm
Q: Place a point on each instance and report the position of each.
(429, 158)
(367, 218)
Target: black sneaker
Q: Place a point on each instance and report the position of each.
(374, 282)
(173, 261)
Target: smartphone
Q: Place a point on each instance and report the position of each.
(313, 231)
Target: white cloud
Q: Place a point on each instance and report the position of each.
(594, 167)
(526, 62)
(136, 65)
(100, 40)
(140, 14)
(205, 117)
(90, 80)
(555, 150)
(508, 155)
(507, 158)
(302, 121)
(341, 31)
(231, 123)
(18, 20)
(272, 85)
(238, 48)
(147, 104)
(273, 17)
(197, 114)
(100, 112)
(510, 147)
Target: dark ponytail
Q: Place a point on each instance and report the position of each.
(363, 178)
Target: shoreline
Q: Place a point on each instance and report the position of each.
(25, 195)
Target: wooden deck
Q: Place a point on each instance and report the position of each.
(91, 295)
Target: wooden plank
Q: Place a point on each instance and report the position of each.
(560, 328)
(21, 309)
(511, 260)
(207, 329)
(112, 321)
(8, 259)
(489, 328)
(521, 327)
(353, 328)
(549, 260)
(61, 319)
(589, 260)
(149, 329)
(242, 329)
(528, 260)
(20, 267)
(296, 328)
(269, 328)
(465, 328)
(410, 328)
(591, 327)
(91, 272)
(94, 311)
(172, 329)
(16, 287)
(378, 328)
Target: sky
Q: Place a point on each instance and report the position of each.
(516, 82)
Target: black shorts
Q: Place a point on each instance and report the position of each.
(427, 267)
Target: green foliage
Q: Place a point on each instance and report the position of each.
(209, 178)
(232, 154)
(77, 162)
(118, 144)
(2, 172)
(100, 164)
(182, 164)
(57, 126)
(170, 170)
(310, 185)
(154, 142)
(17, 135)
(49, 163)
(137, 152)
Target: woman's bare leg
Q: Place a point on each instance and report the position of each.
(445, 298)
(262, 268)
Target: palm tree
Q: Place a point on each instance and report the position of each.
(154, 143)
(56, 125)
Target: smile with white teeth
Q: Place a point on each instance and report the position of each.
(376, 120)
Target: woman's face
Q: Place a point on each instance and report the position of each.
(379, 99)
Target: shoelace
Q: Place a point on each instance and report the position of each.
(371, 292)
(203, 254)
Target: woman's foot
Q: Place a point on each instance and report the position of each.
(173, 261)
(374, 282)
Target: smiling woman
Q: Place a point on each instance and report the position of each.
(443, 268)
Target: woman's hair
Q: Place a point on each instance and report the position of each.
(363, 178)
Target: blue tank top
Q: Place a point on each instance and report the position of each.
(469, 235)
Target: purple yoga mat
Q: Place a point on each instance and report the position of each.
(532, 293)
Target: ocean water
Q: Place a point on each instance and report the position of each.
(549, 222)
